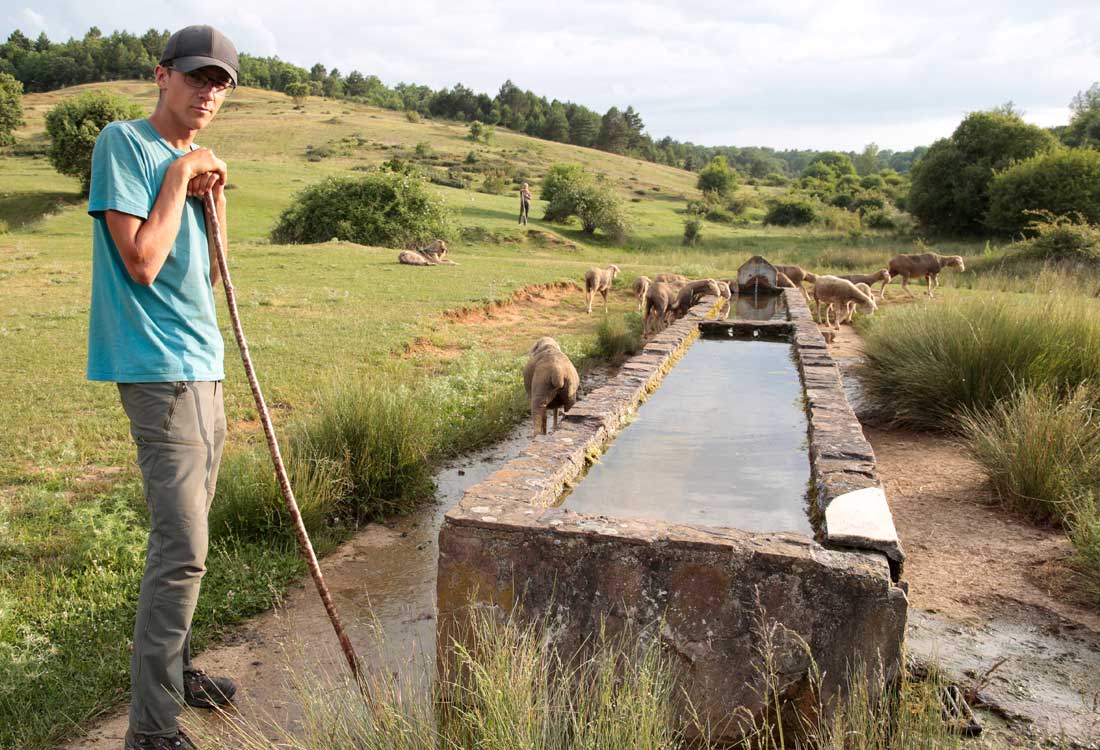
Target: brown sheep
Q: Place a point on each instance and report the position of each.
(832, 290)
(551, 381)
(641, 286)
(670, 278)
(783, 281)
(690, 293)
(599, 280)
(924, 265)
(797, 275)
(724, 290)
(413, 258)
(870, 279)
(659, 299)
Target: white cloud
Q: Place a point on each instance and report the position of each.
(36, 21)
(793, 74)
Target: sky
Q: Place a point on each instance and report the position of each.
(789, 74)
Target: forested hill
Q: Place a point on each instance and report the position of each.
(44, 65)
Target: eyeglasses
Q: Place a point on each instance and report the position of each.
(201, 81)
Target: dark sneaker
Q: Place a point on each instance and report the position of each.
(200, 690)
(177, 741)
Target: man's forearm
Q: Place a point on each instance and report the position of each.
(153, 241)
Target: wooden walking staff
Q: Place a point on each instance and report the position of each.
(276, 456)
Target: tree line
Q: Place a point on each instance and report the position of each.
(44, 65)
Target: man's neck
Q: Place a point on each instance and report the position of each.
(177, 135)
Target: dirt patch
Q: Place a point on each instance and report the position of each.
(422, 347)
(534, 295)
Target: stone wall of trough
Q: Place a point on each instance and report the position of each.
(705, 592)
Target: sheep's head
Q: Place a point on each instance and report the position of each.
(955, 261)
(724, 290)
(884, 274)
(614, 270)
(712, 288)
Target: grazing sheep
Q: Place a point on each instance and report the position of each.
(690, 293)
(852, 304)
(641, 286)
(659, 299)
(832, 290)
(551, 381)
(670, 278)
(599, 280)
(924, 265)
(870, 279)
(797, 275)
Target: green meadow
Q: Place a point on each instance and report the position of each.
(319, 318)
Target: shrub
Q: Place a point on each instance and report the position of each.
(573, 192)
(774, 179)
(472, 157)
(559, 180)
(739, 203)
(496, 183)
(838, 220)
(878, 220)
(791, 210)
(717, 177)
(380, 208)
(73, 126)
(1039, 449)
(719, 215)
(411, 115)
(1060, 182)
(619, 336)
(1061, 239)
(950, 182)
(475, 131)
(423, 150)
(927, 365)
(693, 231)
(298, 91)
(11, 107)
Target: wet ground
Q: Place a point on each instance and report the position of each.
(722, 442)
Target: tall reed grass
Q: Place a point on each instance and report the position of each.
(927, 364)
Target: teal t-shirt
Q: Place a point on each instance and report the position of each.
(167, 331)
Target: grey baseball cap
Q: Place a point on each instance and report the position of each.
(196, 47)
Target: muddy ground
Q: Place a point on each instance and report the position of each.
(987, 593)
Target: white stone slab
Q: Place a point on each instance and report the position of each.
(862, 519)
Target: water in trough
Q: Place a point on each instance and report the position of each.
(722, 442)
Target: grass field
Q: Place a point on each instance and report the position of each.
(71, 520)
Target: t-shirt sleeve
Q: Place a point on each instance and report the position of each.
(120, 176)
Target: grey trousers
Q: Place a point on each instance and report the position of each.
(179, 429)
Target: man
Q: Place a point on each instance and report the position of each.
(153, 331)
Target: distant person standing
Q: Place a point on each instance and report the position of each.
(524, 203)
(154, 333)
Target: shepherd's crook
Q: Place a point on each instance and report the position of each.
(276, 456)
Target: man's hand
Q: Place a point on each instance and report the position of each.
(202, 163)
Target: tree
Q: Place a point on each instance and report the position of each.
(475, 131)
(1084, 126)
(73, 126)
(298, 91)
(950, 190)
(868, 161)
(837, 163)
(1063, 182)
(318, 73)
(557, 124)
(614, 132)
(717, 178)
(334, 84)
(11, 108)
(356, 84)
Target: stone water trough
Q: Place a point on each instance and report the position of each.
(705, 522)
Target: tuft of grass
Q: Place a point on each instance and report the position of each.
(927, 364)
(619, 336)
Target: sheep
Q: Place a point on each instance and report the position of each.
(690, 293)
(551, 381)
(659, 299)
(832, 290)
(883, 275)
(852, 304)
(434, 254)
(783, 281)
(724, 290)
(924, 265)
(796, 275)
(670, 278)
(641, 286)
(599, 280)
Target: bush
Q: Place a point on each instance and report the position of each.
(472, 157)
(11, 108)
(878, 220)
(298, 91)
(496, 183)
(1062, 182)
(717, 177)
(927, 365)
(950, 182)
(561, 179)
(411, 115)
(739, 203)
(791, 210)
(573, 192)
(719, 215)
(693, 232)
(1060, 239)
(1039, 449)
(73, 126)
(619, 336)
(423, 150)
(381, 208)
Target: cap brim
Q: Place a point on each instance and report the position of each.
(189, 64)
